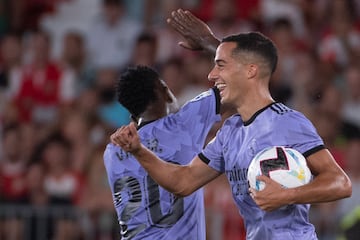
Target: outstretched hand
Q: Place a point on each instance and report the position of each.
(198, 35)
(127, 138)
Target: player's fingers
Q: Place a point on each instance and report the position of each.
(122, 142)
(183, 18)
(112, 139)
(185, 45)
(123, 139)
(252, 192)
(132, 131)
(115, 136)
(180, 19)
(190, 20)
(263, 178)
(176, 26)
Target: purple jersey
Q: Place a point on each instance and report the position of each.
(145, 210)
(232, 150)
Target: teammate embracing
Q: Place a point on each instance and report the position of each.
(145, 210)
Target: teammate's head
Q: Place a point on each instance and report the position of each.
(254, 47)
(139, 87)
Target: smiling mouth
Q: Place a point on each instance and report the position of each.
(220, 86)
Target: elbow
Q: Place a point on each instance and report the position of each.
(347, 188)
(181, 195)
(183, 189)
(184, 186)
(183, 192)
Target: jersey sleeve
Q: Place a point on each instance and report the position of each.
(213, 153)
(301, 134)
(198, 115)
(115, 160)
(108, 161)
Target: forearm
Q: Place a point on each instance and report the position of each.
(170, 176)
(324, 188)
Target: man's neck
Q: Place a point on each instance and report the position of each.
(251, 105)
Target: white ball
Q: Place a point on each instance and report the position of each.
(284, 165)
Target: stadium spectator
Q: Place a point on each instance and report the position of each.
(96, 199)
(111, 38)
(74, 59)
(145, 50)
(290, 50)
(351, 104)
(13, 186)
(340, 43)
(175, 76)
(44, 87)
(224, 19)
(62, 185)
(10, 62)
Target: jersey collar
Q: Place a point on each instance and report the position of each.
(248, 122)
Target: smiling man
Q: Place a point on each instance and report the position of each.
(244, 64)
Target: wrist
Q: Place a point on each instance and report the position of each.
(290, 194)
(139, 151)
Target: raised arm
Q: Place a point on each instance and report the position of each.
(197, 34)
(178, 179)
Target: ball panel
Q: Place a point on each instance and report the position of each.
(284, 165)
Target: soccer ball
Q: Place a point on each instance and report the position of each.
(284, 165)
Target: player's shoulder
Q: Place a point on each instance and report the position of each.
(110, 147)
(288, 117)
(278, 108)
(202, 95)
(110, 150)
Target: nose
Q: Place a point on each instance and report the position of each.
(213, 75)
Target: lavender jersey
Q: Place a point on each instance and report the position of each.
(232, 150)
(144, 209)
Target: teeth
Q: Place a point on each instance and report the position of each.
(220, 85)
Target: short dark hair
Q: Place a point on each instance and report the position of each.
(136, 88)
(257, 43)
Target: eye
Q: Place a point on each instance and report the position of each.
(220, 65)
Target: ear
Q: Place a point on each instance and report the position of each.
(252, 70)
(165, 91)
(168, 94)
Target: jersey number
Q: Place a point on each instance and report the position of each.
(131, 186)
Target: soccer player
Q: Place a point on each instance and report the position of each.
(244, 64)
(145, 210)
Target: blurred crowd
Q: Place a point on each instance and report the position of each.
(60, 59)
